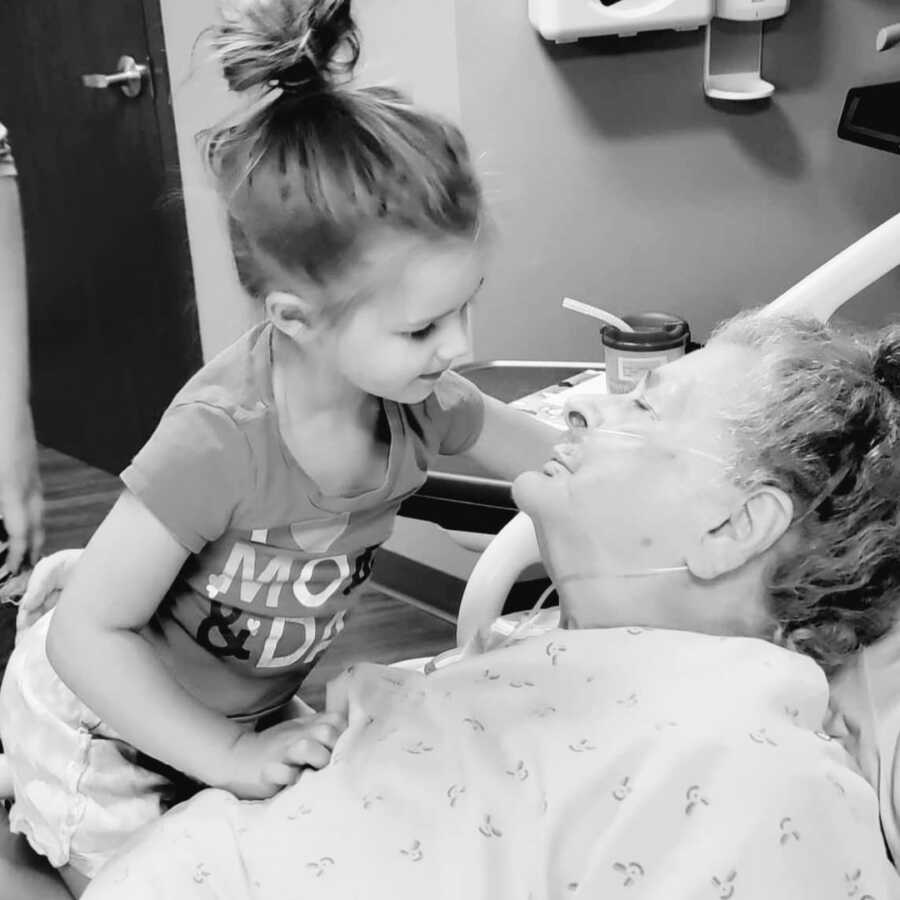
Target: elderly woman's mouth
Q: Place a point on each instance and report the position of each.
(558, 463)
(554, 467)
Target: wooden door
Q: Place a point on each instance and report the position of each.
(113, 322)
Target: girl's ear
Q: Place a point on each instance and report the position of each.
(292, 315)
(751, 530)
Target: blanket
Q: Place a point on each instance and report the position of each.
(614, 763)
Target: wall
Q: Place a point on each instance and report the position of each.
(615, 181)
(611, 177)
(407, 42)
(199, 98)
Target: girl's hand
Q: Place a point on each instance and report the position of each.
(49, 577)
(262, 763)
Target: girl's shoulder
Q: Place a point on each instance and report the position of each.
(237, 381)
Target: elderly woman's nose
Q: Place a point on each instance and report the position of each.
(585, 411)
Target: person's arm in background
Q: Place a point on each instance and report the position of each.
(21, 505)
(22, 873)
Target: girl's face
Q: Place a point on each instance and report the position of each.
(414, 322)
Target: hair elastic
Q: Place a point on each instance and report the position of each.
(298, 77)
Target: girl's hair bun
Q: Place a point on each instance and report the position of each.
(887, 360)
(297, 44)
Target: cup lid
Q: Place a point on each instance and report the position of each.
(652, 331)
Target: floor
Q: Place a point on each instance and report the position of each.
(384, 629)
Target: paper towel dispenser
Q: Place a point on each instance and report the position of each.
(568, 20)
(734, 35)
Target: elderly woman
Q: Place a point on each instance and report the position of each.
(719, 539)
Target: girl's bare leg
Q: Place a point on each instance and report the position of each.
(74, 880)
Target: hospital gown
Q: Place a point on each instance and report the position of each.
(617, 763)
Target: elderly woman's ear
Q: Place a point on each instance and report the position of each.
(748, 533)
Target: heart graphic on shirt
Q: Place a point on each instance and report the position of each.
(215, 585)
(317, 535)
(253, 625)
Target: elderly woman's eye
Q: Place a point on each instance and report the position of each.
(644, 406)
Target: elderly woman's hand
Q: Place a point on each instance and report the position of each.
(21, 502)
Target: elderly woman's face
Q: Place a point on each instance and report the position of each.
(644, 475)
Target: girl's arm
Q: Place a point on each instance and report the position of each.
(95, 646)
(512, 441)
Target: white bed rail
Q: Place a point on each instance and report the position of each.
(830, 286)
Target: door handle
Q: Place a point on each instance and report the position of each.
(887, 37)
(129, 77)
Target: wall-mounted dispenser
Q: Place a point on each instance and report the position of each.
(564, 21)
(733, 57)
(734, 33)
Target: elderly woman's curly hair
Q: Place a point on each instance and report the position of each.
(826, 431)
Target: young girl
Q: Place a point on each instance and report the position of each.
(250, 518)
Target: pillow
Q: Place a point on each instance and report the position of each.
(865, 717)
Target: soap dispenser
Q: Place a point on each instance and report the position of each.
(733, 57)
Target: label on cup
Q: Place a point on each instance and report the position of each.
(624, 369)
(631, 368)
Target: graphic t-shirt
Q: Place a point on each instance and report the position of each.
(275, 563)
